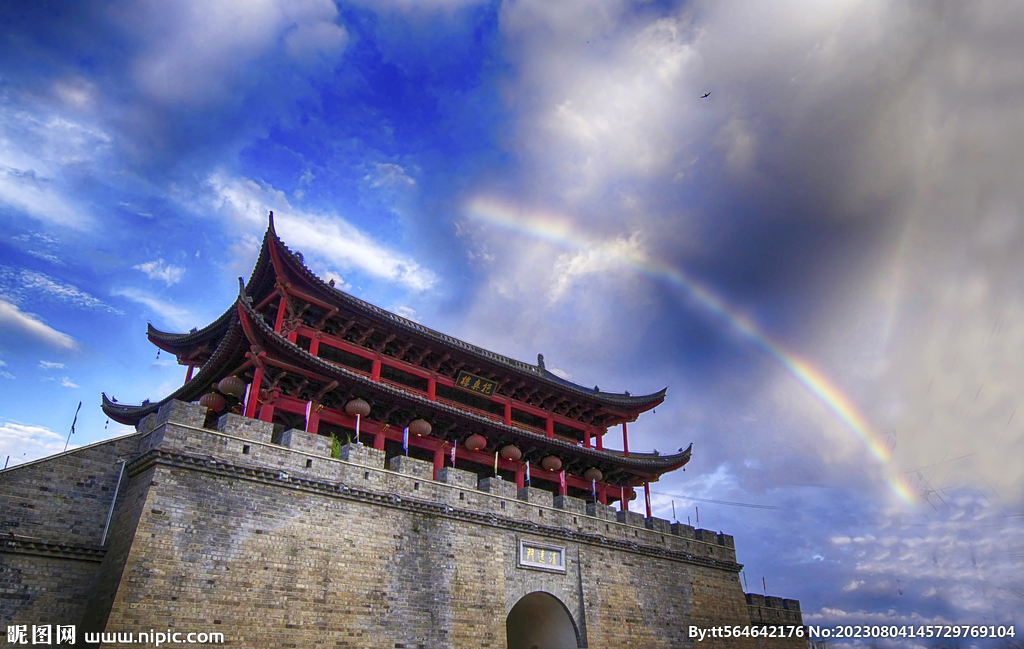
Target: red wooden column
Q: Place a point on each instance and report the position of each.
(521, 476)
(623, 503)
(550, 428)
(602, 493)
(267, 412)
(625, 440)
(378, 439)
(647, 497)
(254, 393)
(586, 438)
(280, 315)
(188, 374)
(438, 460)
(432, 390)
(600, 439)
(508, 412)
(375, 370)
(314, 345)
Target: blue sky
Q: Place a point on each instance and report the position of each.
(546, 178)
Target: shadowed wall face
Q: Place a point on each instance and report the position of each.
(540, 621)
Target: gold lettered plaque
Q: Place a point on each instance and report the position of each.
(538, 556)
(473, 383)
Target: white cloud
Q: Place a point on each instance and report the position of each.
(25, 442)
(20, 284)
(390, 175)
(195, 52)
(596, 258)
(50, 365)
(36, 196)
(326, 236)
(75, 91)
(560, 373)
(406, 312)
(11, 317)
(67, 383)
(159, 270)
(35, 148)
(166, 312)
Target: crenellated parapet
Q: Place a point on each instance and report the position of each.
(245, 447)
(768, 610)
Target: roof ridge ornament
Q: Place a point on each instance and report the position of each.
(540, 362)
(241, 292)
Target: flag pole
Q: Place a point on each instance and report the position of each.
(75, 421)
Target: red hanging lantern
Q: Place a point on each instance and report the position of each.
(213, 401)
(233, 386)
(420, 427)
(593, 473)
(357, 406)
(511, 453)
(551, 463)
(476, 442)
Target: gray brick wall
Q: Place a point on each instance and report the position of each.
(282, 546)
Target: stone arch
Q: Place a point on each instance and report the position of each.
(541, 621)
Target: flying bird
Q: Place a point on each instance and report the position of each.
(705, 95)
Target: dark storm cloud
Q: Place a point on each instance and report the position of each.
(851, 184)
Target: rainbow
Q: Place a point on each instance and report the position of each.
(557, 231)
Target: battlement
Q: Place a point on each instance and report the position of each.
(298, 457)
(773, 610)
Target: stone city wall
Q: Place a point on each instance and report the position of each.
(52, 514)
(274, 545)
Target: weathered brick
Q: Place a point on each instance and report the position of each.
(210, 536)
(604, 512)
(457, 477)
(300, 440)
(363, 455)
(412, 466)
(635, 519)
(537, 496)
(570, 504)
(245, 427)
(658, 525)
(498, 487)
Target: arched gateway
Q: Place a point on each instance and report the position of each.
(540, 621)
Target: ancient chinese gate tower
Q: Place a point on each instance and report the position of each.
(313, 357)
(299, 490)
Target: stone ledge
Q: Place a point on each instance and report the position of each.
(73, 551)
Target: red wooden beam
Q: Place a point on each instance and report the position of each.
(423, 373)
